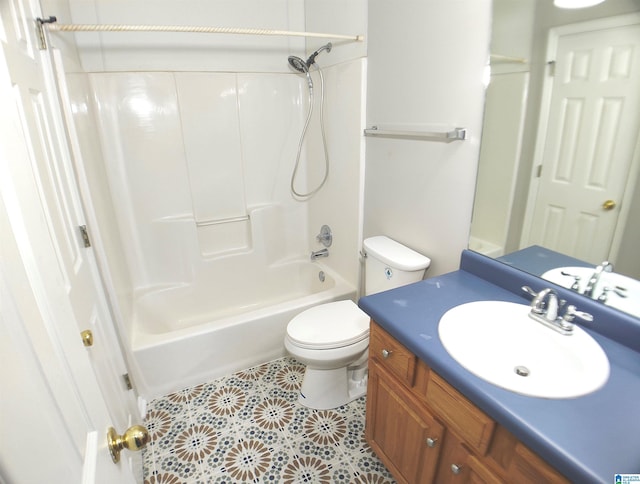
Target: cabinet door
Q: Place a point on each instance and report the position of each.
(405, 437)
(458, 465)
(527, 468)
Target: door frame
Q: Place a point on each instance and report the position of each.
(541, 134)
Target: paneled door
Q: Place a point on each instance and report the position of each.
(51, 290)
(588, 133)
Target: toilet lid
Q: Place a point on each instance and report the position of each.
(331, 325)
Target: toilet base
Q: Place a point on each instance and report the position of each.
(326, 389)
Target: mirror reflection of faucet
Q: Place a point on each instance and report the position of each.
(595, 277)
(591, 288)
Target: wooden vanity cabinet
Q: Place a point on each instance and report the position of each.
(425, 431)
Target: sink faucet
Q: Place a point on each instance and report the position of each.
(545, 309)
(595, 277)
(544, 303)
(319, 253)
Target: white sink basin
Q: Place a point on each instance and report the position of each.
(498, 342)
(615, 297)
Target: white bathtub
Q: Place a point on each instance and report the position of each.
(190, 334)
(485, 247)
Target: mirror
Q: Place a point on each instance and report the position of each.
(518, 97)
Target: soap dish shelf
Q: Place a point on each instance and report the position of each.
(456, 134)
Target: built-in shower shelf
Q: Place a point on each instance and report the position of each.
(456, 134)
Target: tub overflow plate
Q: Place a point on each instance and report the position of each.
(522, 370)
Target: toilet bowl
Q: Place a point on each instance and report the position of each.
(332, 339)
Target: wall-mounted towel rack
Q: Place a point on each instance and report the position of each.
(52, 24)
(456, 134)
(506, 59)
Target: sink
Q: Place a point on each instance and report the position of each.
(615, 298)
(498, 342)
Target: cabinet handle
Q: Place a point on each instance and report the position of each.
(431, 442)
(456, 469)
(386, 353)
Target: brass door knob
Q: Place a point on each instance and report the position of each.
(134, 438)
(609, 205)
(87, 337)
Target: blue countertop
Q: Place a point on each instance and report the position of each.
(537, 260)
(588, 439)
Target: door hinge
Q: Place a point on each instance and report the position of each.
(85, 235)
(127, 381)
(539, 171)
(552, 67)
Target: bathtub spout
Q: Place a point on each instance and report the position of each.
(319, 253)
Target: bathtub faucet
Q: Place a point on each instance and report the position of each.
(319, 253)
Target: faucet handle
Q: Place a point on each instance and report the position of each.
(571, 313)
(576, 280)
(325, 237)
(529, 291)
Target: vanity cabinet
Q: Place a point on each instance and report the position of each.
(426, 431)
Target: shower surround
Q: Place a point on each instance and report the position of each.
(204, 252)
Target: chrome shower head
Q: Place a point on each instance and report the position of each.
(301, 66)
(298, 64)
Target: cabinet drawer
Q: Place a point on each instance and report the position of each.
(391, 355)
(465, 419)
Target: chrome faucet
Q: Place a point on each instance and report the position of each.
(319, 253)
(595, 277)
(545, 309)
(544, 304)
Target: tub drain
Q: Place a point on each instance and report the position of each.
(321, 276)
(522, 370)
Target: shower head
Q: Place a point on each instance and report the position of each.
(301, 66)
(298, 64)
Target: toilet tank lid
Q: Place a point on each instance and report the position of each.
(395, 254)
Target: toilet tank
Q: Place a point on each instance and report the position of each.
(389, 264)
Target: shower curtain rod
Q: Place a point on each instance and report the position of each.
(53, 26)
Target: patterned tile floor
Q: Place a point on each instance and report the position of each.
(248, 427)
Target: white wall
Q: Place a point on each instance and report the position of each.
(188, 52)
(504, 117)
(426, 62)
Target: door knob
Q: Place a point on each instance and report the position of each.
(134, 438)
(609, 205)
(87, 337)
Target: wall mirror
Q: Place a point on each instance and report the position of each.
(560, 155)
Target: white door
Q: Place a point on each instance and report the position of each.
(53, 420)
(35, 95)
(49, 290)
(588, 131)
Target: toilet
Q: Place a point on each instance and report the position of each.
(332, 339)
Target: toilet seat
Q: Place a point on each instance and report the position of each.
(328, 326)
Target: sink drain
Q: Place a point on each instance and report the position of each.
(522, 370)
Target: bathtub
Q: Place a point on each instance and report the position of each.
(485, 247)
(189, 334)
